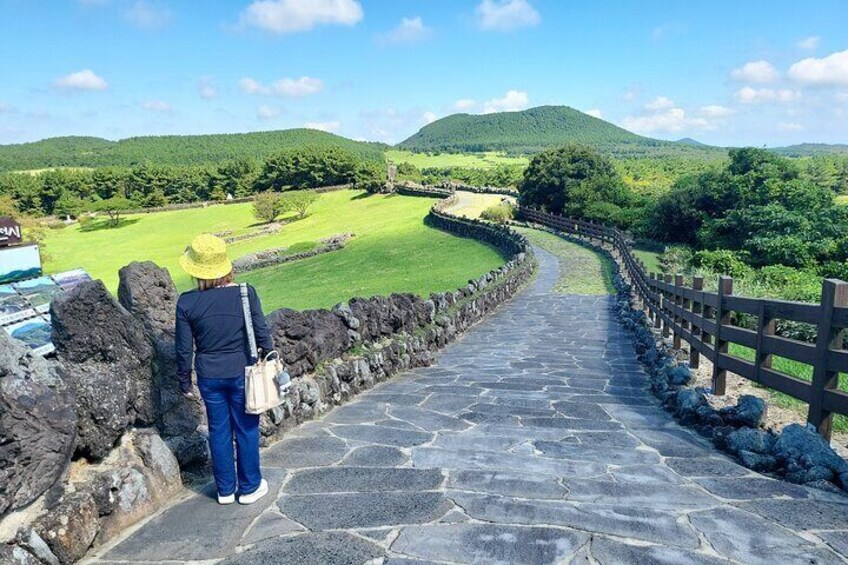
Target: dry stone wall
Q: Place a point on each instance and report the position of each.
(94, 440)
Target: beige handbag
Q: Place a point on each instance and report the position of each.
(265, 382)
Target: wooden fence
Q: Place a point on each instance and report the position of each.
(704, 321)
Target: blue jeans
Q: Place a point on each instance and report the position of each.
(224, 400)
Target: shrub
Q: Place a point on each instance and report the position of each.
(500, 213)
(722, 261)
(299, 201)
(267, 206)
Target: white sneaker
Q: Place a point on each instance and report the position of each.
(226, 499)
(256, 495)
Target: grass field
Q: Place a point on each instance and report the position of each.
(472, 204)
(582, 271)
(487, 160)
(651, 259)
(795, 369)
(392, 251)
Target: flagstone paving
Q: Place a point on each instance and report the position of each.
(533, 440)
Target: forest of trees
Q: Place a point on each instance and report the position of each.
(69, 192)
(172, 150)
(772, 221)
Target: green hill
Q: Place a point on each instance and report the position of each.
(533, 130)
(169, 149)
(810, 150)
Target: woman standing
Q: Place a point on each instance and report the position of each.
(211, 328)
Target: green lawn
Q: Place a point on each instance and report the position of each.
(795, 369)
(486, 160)
(393, 251)
(582, 271)
(472, 204)
(651, 259)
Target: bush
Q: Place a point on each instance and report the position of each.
(267, 206)
(722, 261)
(500, 213)
(299, 201)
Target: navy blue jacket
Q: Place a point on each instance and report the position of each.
(210, 327)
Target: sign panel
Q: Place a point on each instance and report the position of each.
(38, 292)
(36, 333)
(13, 306)
(18, 263)
(70, 279)
(10, 231)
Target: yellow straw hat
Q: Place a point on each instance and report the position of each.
(206, 258)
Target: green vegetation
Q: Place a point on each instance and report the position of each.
(795, 369)
(537, 129)
(500, 213)
(582, 271)
(70, 192)
(472, 205)
(486, 160)
(578, 182)
(393, 250)
(173, 150)
(650, 258)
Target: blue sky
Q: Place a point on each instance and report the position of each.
(754, 72)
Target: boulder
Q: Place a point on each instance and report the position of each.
(69, 529)
(745, 439)
(148, 293)
(748, 412)
(108, 360)
(38, 424)
(807, 456)
(305, 339)
(14, 554)
(680, 375)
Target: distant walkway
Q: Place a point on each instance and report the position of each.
(532, 441)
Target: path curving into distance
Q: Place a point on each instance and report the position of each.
(533, 440)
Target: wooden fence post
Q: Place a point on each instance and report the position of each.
(766, 326)
(834, 293)
(697, 308)
(678, 301)
(725, 288)
(666, 325)
(657, 317)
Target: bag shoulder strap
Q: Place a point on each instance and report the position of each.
(248, 321)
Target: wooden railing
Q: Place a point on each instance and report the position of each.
(704, 320)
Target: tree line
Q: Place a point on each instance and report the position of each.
(756, 214)
(69, 192)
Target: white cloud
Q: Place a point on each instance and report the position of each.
(827, 71)
(662, 31)
(595, 113)
(156, 106)
(291, 87)
(512, 101)
(841, 97)
(251, 86)
(809, 43)
(755, 71)
(289, 16)
(331, 126)
(85, 79)
(148, 15)
(429, 117)
(716, 111)
(266, 112)
(666, 120)
(206, 89)
(464, 104)
(660, 103)
(789, 126)
(749, 95)
(506, 15)
(297, 87)
(409, 30)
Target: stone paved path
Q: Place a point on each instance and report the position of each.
(532, 441)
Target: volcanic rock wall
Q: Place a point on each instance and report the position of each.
(94, 440)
